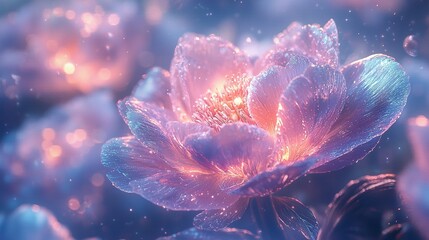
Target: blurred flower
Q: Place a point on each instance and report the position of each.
(225, 234)
(58, 155)
(413, 185)
(33, 222)
(56, 48)
(228, 129)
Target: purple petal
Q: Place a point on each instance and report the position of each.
(320, 44)
(295, 62)
(275, 179)
(154, 88)
(358, 208)
(180, 191)
(308, 108)
(266, 88)
(354, 156)
(284, 218)
(146, 122)
(220, 218)
(377, 92)
(201, 63)
(128, 159)
(224, 234)
(179, 131)
(240, 149)
(413, 189)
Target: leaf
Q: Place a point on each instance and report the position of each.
(284, 218)
(357, 210)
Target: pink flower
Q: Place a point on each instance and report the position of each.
(228, 129)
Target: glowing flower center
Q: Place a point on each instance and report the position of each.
(221, 107)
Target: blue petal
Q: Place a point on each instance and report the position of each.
(377, 92)
(154, 88)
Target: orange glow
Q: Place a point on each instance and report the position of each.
(113, 19)
(48, 134)
(421, 121)
(69, 68)
(55, 151)
(74, 204)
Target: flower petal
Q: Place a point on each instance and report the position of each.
(284, 218)
(180, 191)
(349, 158)
(224, 234)
(220, 218)
(146, 122)
(266, 89)
(201, 63)
(241, 149)
(128, 159)
(308, 108)
(282, 57)
(275, 179)
(319, 44)
(154, 88)
(377, 92)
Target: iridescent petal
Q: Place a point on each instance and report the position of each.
(184, 191)
(239, 149)
(224, 234)
(146, 122)
(282, 57)
(266, 88)
(320, 44)
(270, 181)
(154, 88)
(284, 218)
(128, 160)
(201, 63)
(354, 156)
(179, 131)
(377, 92)
(220, 218)
(308, 108)
(413, 189)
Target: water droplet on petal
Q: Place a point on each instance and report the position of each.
(411, 45)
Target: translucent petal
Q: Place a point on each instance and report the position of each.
(282, 57)
(154, 88)
(357, 210)
(239, 149)
(320, 44)
(266, 88)
(146, 121)
(349, 158)
(224, 234)
(308, 108)
(377, 92)
(201, 63)
(284, 218)
(128, 159)
(220, 218)
(183, 191)
(275, 179)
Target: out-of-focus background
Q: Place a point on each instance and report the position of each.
(64, 64)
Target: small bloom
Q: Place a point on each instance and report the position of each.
(237, 129)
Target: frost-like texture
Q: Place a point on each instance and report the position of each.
(237, 130)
